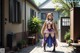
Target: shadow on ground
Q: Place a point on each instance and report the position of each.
(26, 50)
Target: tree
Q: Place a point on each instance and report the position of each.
(37, 3)
(66, 6)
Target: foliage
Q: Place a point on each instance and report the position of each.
(37, 3)
(66, 6)
(20, 43)
(69, 41)
(42, 22)
(23, 42)
(34, 25)
(67, 35)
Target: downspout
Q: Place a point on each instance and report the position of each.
(25, 17)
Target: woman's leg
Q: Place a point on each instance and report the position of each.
(52, 34)
(44, 46)
(45, 39)
(54, 42)
(46, 35)
(54, 47)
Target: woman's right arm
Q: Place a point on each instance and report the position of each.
(43, 28)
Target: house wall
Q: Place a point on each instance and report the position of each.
(17, 29)
(9, 27)
(59, 29)
(55, 13)
(28, 7)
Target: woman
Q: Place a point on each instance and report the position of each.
(49, 29)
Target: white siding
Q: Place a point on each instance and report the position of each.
(28, 7)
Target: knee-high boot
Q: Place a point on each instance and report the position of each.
(54, 48)
(44, 46)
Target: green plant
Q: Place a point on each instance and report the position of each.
(34, 25)
(42, 22)
(23, 42)
(69, 41)
(64, 6)
(67, 35)
(19, 44)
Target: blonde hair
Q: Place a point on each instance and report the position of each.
(49, 14)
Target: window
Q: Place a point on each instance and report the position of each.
(15, 11)
(65, 22)
(18, 12)
(43, 16)
(32, 13)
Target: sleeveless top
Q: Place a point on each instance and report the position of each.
(49, 27)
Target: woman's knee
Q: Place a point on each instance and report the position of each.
(52, 35)
(46, 35)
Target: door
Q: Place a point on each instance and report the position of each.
(1, 24)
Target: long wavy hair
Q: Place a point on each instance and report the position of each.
(49, 14)
(47, 18)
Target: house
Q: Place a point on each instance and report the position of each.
(14, 15)
(46, 7)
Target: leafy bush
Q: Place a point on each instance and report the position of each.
(67, 36)
(34, 25)
(21, 43)
(69, 41)
(43, 22)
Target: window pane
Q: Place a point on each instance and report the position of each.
(43, 16)
(65, 22)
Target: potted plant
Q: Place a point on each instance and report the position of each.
(69, 41)
(34, 26)
(19, 45)
(23, 43)
(67, 36)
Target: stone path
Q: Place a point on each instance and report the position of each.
(61, 48)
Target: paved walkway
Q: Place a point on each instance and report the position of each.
(61, 48)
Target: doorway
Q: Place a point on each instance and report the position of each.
(1, 24)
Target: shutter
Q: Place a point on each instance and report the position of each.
(32, 13)
(12, 12)
(14, 9)
(18, 15)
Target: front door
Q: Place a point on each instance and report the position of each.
(1, 24)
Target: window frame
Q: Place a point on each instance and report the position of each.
(14, 11)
